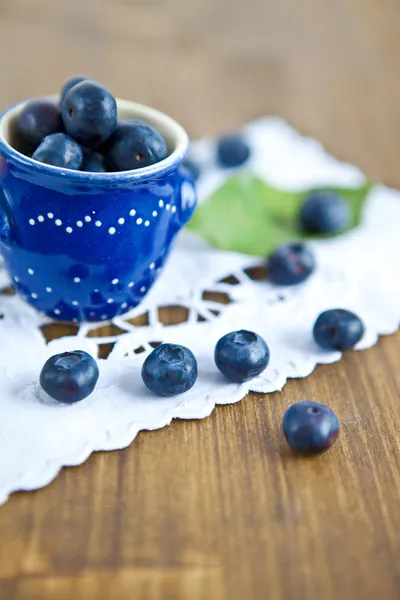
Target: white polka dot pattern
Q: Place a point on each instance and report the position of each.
(112, 229)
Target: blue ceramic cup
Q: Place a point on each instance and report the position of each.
(88, 246)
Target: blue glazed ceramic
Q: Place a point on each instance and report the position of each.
(89, 246)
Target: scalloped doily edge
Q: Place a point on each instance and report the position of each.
(52, 468)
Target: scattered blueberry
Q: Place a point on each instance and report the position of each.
(193, 168)
(310, 427)
(70, 84)
(94, 163)
(241, 355)
(69, 377)
(38, 119)
(89, 112)
(324, 212)
(170, 370)
(134, 145)
(291, 264)
(59, 150)
(232, 151)
(338, 329)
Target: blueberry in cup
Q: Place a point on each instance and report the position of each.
(89, 112)
(71, 83)
(38, 119)
(93, 162)
(59, 150)
(134, 145)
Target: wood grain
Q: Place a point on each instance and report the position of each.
(218, 509)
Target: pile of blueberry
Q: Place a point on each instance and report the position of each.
(82, 132)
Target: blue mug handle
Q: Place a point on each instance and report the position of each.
(187, 197)
(4, 219)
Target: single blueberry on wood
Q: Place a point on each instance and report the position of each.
(324, 212)
(71, 83)
(291, 264)
(93, 162)
(38, 119)
(170, 370)
(338, 329)
(241, 355)
(89, 112)
(134, 145)
(69, 377)
(59, 150)
(310, 427)
(232, 151)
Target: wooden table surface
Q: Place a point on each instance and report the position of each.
(218, 509)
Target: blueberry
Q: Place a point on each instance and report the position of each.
(133, 120)
(241, 355)
(59, 150)
(324, 212)
(232, 151)
(89, 112)
(291, 264)
(94, 163)
(338, 329)
(71, 83)
(69, 377)
(310, 427)
(105, 147)
(134, 145)
(170, 370)
(193, 168)
(38, 119)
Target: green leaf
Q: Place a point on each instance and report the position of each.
(246, 215)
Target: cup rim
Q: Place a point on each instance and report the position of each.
(152, 115)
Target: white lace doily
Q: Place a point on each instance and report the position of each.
(358, 271)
